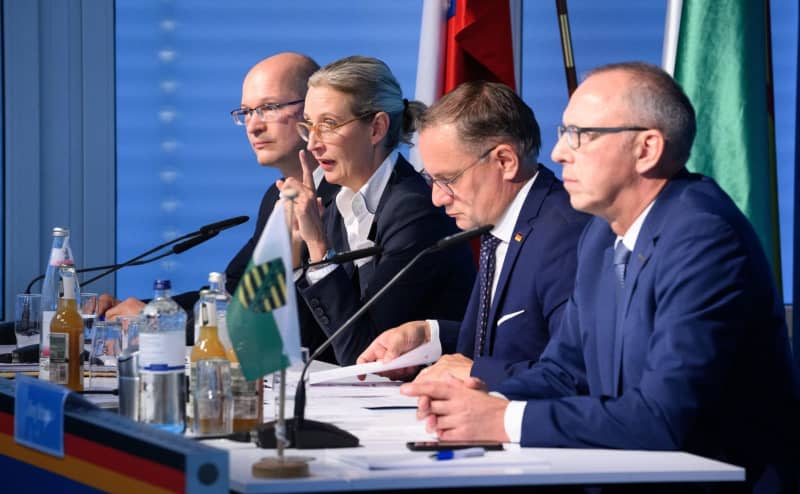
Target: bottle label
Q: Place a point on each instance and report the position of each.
(47, 318)
(245, 395)
(192, 376)
(59, 358)
(162, 351)
(57, 256)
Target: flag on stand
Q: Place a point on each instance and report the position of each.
(720, 52)
(262, 315)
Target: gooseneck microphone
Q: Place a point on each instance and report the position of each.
(214, 228)
(187, 241)
(311, 434)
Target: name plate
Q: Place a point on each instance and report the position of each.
(39, 415)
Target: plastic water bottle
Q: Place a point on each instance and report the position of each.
(162, 340)
(60, 255)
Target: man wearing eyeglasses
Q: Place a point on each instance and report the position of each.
(479, 146)
(674, 337)
(273, 93)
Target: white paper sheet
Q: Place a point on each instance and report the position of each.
(424, 354)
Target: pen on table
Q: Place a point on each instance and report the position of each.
(453, 454)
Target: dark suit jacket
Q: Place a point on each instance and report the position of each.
(534, 285)
(310, 334)
(698, 358)
(405, 223)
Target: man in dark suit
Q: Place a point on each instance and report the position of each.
(273, 92)
(674, 337)
(480, 145)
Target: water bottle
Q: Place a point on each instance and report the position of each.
(60, 255)
(162, 339)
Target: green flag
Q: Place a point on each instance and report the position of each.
(722, 60)
(262, 315)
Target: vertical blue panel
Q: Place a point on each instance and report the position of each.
(784, 16)
(58, 97)
(2, 178)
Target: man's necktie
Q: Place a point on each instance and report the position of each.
(621, 256)
(486, 263)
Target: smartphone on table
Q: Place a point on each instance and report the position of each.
(452, 445)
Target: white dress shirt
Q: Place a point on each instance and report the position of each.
(358, 212)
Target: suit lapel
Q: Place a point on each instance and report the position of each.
(401, 169)
(523, 229)
(642, 252)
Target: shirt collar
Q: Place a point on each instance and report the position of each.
(505, 227)
(630, 237)
(349, 201)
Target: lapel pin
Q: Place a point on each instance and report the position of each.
(518, 237)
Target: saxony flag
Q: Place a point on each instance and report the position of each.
(262, 316)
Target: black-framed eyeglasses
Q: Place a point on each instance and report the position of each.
(323, 130)
(268, 112)
(445, 184)
(573, 132)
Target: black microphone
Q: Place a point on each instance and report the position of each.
(188, 244)
(351, 255)
(459, 237)
(176, 249)
(311, 434)
(214, 228)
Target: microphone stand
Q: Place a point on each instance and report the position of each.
(129, 262)
(311, 434)
(204, 233)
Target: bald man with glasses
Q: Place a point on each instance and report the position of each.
(479, 145)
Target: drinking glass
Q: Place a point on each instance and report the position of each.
(88, 310)
(106, 347)
(28, 319)
(213, 397)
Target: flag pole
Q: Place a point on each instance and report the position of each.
(281, 442)
(566, 46)
(282, 466)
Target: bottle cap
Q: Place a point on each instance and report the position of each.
(162, 285)
(60, 232)
(215, 277)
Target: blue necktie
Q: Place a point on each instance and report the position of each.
(486, 264)
(621, 256)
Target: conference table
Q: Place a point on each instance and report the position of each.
(384, 421)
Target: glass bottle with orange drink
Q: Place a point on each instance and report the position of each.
(66, 335)
(210, 382)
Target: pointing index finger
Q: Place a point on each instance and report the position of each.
(308, 172)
